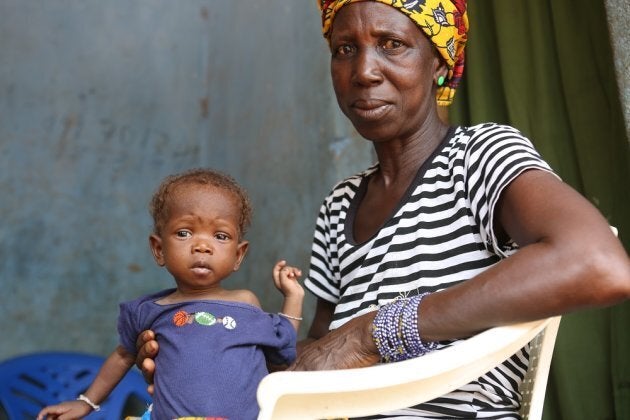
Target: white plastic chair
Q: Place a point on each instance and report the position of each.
(535, 382)
(381, 388)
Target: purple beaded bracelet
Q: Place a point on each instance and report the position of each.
(395, 330)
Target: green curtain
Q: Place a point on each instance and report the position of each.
(546, 67)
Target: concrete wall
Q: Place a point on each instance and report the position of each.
(617, 12)
(101, 99)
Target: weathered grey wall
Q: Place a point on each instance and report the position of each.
(101, 99)
(617, 12)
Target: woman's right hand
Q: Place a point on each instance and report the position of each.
(349, 346)
(147, 348)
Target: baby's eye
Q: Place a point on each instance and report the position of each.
(183, 234)
(222, 236)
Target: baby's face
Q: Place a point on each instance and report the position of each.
(200, 241)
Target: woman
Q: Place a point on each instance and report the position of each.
(454, 230)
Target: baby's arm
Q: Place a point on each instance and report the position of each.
(285, 278)
(113, 370)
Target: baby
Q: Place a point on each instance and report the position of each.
(214, 342)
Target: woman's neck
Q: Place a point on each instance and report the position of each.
(399, 163)
(400, 159)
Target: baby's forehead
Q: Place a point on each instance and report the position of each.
(192, 190)
(202, 202)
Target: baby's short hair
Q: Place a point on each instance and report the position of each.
(199, 176)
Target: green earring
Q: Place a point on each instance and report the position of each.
(440, 80)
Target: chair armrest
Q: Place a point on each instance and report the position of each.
(364, 391)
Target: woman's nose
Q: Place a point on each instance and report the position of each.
(366, 67)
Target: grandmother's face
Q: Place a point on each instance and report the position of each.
(383, 70)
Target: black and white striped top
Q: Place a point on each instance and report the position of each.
(440, 234)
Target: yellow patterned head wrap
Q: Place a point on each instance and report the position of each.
(445, 23)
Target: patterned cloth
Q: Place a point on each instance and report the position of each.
(445, 23)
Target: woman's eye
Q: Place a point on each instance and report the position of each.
(343, 50)
(392, 44)
(183, 234)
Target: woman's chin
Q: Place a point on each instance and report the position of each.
(375, 134)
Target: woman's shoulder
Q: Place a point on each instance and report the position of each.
(486, 136)
(351, 183)
(486, 130)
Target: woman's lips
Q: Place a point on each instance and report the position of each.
(370, 109)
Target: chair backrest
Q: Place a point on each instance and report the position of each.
(30, 382)
(535, 382)
(381, 388)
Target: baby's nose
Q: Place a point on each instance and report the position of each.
(203, 247)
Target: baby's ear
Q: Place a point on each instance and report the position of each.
(155, 242)
(241, 250)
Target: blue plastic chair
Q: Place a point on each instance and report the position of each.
(30, 382)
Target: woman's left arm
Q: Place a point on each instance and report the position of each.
(568, 260)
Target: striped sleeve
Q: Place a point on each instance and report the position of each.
(495, 156)
(321, 280)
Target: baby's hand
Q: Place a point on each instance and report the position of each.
(66, 410)
(285, 278)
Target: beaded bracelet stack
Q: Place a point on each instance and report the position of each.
(395, 330)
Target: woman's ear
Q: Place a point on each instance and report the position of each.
(155, 242)
(241, 250)
(440, 72)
